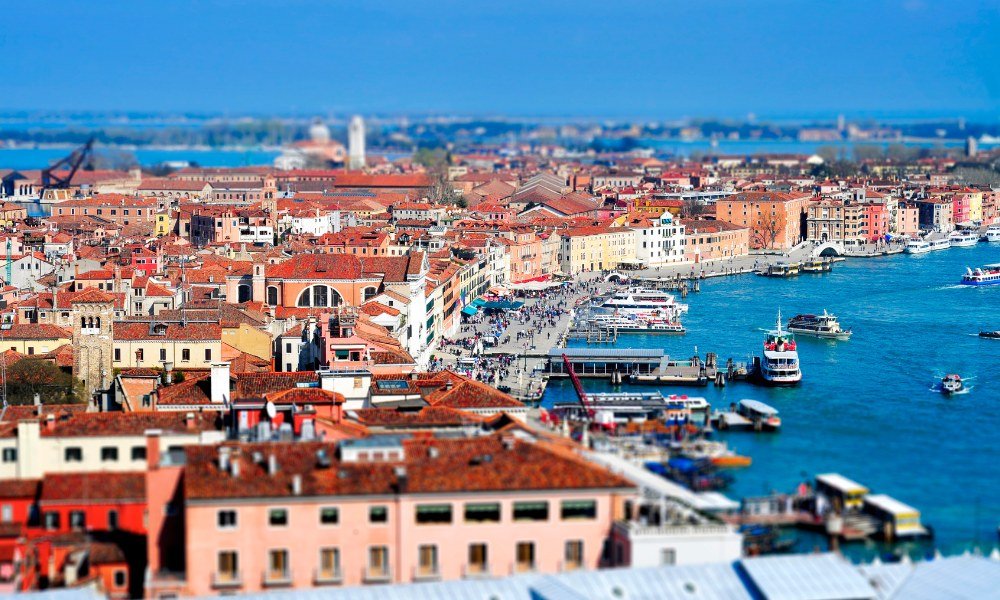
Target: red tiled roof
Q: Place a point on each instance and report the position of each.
(429, 416)
(93, 487)
(34, 331)
(303, 396)
(141, 330)
(18, 488)
(254, 386)
(458, 465)
(132, 424)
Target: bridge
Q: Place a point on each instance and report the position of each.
(829, 249)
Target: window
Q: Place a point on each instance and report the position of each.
(10, 454)
(329, 515)
(574, 555)
(482, 513)
(112, 520)
(378, 514)
(109, 454)
(277, 517)
(138, 453)
(525, 557)
(531, 511)
(120, 578)
(6, 513)
(433, 514)
(668, 556)
(277, 564)
(77, 519)
(378, 561)
(185, 354)
(73, 454)
(478, 559)
(329, 563)
(51, 520)
(138, 355)
(229, 566)
(163, 354)
(208, 354)
(579, 509)
(427, 564)
(226, 519)
(118, 354)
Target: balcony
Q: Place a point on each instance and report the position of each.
(481, 571)
(422, 574)
(328, 577)
(277, 578)
(227, 580)
(376, 575)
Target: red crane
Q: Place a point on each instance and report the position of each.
(589, 412)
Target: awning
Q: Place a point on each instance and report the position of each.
(470, 310)
(502, 305)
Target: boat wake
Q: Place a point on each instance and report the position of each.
(957, 286)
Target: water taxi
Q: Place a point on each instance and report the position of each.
(917, 246)
(817, 265)
(993, 233)
(638, 324)
(780, 269)
(762, 415)
(963, 239)
(896, 519)
(984, 275)
(778, 363)
(824, 326)
(951, 384)
(637, 300)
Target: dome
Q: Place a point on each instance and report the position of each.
(319, 132)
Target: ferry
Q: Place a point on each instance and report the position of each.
(952, 384)
(917, 246)
(778, 363)
(984, 275)
(817, 265)
(763, 415)
(993, 233)
(780, 269)
(939, 244)
(639, 300)
(635, 323)
(824, 326)
(963, 239)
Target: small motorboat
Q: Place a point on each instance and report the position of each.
(992, 335)
(952, 384)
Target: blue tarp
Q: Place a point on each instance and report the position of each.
(470, 310)
(502, 305)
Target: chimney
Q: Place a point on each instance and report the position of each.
(189, 420)
(168, 368)
(296, 485)
(224, 458)
(272, 465)
(234, 467)
(153, 448)
(50, 422)
(220, 382)
(401, 479)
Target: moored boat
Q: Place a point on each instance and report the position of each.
(637, 300)
(763, 415)
(963, 239)
(984, 275)
(817, 265)
(780, 269)
(917, 246)
(824, 326)
(778, 363)
(991, 335)
(993, 233)
(939, 244)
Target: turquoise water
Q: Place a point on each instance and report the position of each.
(865, 408)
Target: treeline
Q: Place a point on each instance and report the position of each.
(243, 133)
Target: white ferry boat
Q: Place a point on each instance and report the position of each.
(779, 360)
(637, 300)
(963, 239)
(993, 233)
(984, 275)
(636, 323)
(824, 326)
(939, 244)
(917, 246)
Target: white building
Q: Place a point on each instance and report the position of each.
(356, 143)
(659, 240)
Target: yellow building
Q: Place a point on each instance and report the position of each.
(164, 224)
(596, 248)
(249, 339)
(33, 338)
(150, 344)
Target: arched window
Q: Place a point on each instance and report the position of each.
(370, 292)
(272, 296)
(98, 321)
(243, 293)
(319, 296)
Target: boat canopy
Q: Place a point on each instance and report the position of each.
(891, 505)
(841, 483)
(759, 407)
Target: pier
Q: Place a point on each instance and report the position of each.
(642, 365)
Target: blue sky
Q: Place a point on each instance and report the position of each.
(580, 58)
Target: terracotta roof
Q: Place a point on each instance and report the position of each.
(344, 266)
(483, 464)
(93, 487)
(18, 488)
(34, 331)
(303, 396)
(254, 386)
(195, 389)
(132, 424)
(141, 330)
(18, 412)
(429, 416)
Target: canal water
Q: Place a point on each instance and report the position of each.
(866, 408)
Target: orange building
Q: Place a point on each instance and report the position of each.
(776, 220)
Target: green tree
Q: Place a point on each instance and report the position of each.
(29, 376)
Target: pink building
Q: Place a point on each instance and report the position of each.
(960, 208)
(876, 221)
(382, 509)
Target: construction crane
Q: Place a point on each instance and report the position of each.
(52, 181)
(588, 412)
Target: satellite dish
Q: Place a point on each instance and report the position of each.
(270, 409)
